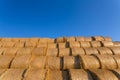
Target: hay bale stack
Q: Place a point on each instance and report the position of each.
(2, 71)
(21, 61)
(74, 44)
(10, 51)
(95, 43)
(19, 44)
(64, 52)
(70, 62)
(6, 39)
(24, 39)
(8, 44)
(46, 40)
(79, 74)
(54, 63)
(107, 43)
(116, 44)
(80, 38)
(77, 51)
(52, 52)
(52, 45)
(89, 62)
(34, 40)
(115, 50)
(90, 51)
(24, 51)
(88, 39)
(104, 50)
(107, 39)
(15, 40)
(37, 62)
(62, 45)
(35, 74)
(12, 74)
(85, 44)
(42, 45)
(70, 39)
(39, 51)
(103, 74)
(117, 59)
(50, 40)
(60, 40)
(5, 61)
(98, 38)
(107, 61)
(30, 44)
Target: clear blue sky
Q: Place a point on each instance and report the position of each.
(55, 18)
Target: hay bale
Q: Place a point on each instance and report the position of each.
(62, 45)
(46, 40)
(42, 45)
(98, 38)
(79, 74)
(1, 44)
(21, 61)
(115, 50)
(54, 63)
(35, 74)
(52, 45)
(50, 40)
(8, 44)
(107, 43)
(95, 43)
(88, 39)
(77, 51)
(107, 61)
(10, 51)
(70, 39)
(117, 59)
(52, 52)
(15, 40)
(5, 61)
(20, 44)
(24, 51)
(60, 40)
(64, 52)
(103, 74)
(74, 44)
(30, 44)
(89, 62)
(2, 50)
(70, 62)
(116, 44)
(85, 44)
(37, 62)
(39, 51)
(34, 40)
(2, 71)
(12, 74)
(6, 39)
(116, 72)
(80, 38)
(107, 38)
(90, 51)
(24, 39)
(104, 50)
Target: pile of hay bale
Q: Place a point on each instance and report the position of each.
(63, 58)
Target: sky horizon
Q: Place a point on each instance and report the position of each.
(51, 18)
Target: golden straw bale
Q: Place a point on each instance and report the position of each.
(90, 51)
(80, 38)
(52, 52)
(60, 40)
(54, 63)
(52, 45)
(6, 39)
(2, 71)
(5, 61)
(10, 51)
(64, 52)
(50, 40)
(12, 74)
(107, 38)
(98, 38)
(69, 39)
(24, 51)
(77, 51)
(79, 74)
(24, 39)
(116, 44)
(107, 61)
(85, 44)
(107, 43)
(103, 74)
(71, 62)
(74, 44)
(37, 62)
(88, 39)
(117, 59)
(8, 44)
(30, 44)
(21, 61)
(39, 51)
(42, 45)
(1, 44)
(95, 43)
(62, 45)
(2, 50)
(20, 44)
(35, 74)
(115, 50)
(34, 39)
(15, 39)
(89, 62)
(104, 50)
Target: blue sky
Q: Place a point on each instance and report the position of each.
(55, 18)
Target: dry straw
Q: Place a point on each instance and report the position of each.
(39, 51)
(107, 43)
(52, 52)
(117, 59)
(64, 52)
(116, 44)
(116, 72)
(116, 50)
(77, 51)
(88, 38)
(107, 61)
(95, 43)
(70, 39)
(85, 44)
(107, 39)
(79, 74)
(103, 74)
(10, 51)
(89, 62)
(80, 38)
(74, 44)
(62, 45)
(90, 51)
(98, 38)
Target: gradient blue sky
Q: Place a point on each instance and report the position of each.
(55, 18)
